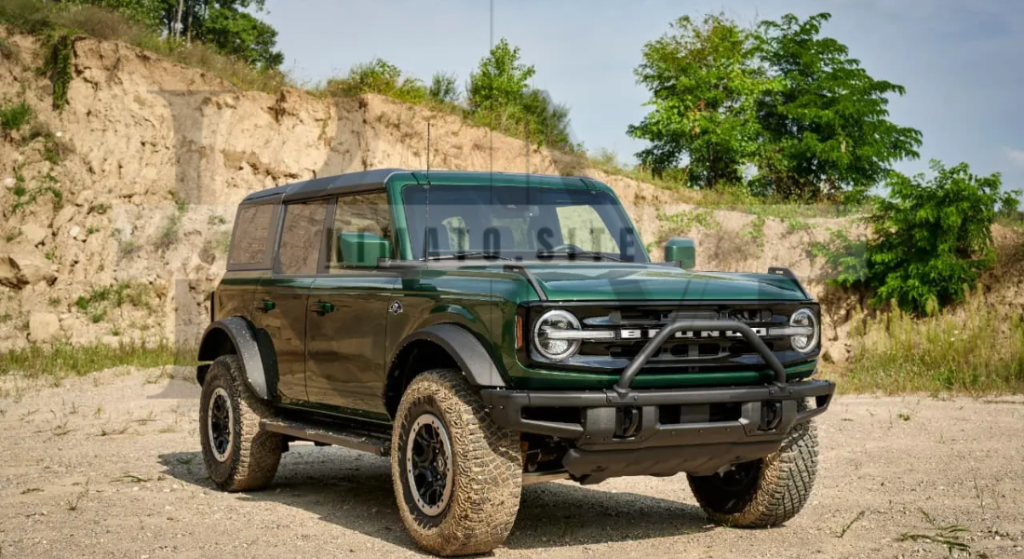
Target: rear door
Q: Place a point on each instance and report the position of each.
(281, 304)
(346, 329)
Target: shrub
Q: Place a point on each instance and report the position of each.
(101, 23)
(30, 16)
(932, 237)
(13, 117)
(380, 77)
(845, 258)
(443, 88)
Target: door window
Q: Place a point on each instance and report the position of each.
(360, 213)
(302, 238)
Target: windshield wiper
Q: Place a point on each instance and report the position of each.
(474, 254)
(583, 253)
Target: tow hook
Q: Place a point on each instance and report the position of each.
(771, 416)
(627, 422)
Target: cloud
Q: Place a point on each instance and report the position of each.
(1015, 155)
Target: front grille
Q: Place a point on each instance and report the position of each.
(635, 325)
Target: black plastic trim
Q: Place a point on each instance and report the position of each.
(597, 408)
(467, 351)
(243, 337)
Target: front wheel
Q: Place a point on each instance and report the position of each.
(765, 492)
(457, 475)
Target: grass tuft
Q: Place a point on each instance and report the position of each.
(64, 360)
(975, 348)
(42, 18)
(14, 115)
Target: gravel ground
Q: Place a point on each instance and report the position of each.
(109, 466)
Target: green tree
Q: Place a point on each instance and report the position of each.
(704, 81)
(443, 88)
(932, 237)
(500, 96)
(240, 34)
(825, 128)
(227, 25)
(546, 122)
(778, 101)
(499, 85)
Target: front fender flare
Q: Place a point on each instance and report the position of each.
(465, 349)
(259, 367)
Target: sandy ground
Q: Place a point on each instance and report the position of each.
(109, 466)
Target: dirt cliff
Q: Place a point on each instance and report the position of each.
(117, 210)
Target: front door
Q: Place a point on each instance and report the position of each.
(282, 299)
(346, 329)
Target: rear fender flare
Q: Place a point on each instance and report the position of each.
(260, 367)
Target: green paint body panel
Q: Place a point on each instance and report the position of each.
(682, 251)
(362, 249)
(340, 360)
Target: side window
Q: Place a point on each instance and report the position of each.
(302, 238)
(250, 244)
(583, 227)
(360, 213)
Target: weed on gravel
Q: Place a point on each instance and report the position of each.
(950, 536)
(64, 360)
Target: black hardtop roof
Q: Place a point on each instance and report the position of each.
(354, 182)
(324, 186)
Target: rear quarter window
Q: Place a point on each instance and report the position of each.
(252, 241)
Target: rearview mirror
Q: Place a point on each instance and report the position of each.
(362, 249)
(683, 251)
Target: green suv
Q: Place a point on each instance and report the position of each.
(488, 331)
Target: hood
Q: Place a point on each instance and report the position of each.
(603, 281)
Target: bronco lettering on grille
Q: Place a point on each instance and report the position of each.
(641, 334)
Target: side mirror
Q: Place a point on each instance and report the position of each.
(682, 251)
(362, 249)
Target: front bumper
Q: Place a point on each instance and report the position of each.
(599, 447)
(622, 431)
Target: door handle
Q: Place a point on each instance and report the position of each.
(321, 307)
(266, 305)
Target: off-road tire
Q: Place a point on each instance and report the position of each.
(486, 463)
(253, 454)
(782, 487)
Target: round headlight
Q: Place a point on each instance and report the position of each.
(552, 335)
(808, 323)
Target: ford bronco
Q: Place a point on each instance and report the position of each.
(486, 331)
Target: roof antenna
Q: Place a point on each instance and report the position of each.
(426, 208)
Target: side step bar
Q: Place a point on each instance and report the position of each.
(329, 434)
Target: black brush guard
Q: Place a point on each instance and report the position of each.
(600, 448)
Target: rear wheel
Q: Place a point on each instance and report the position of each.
(765, 492)
(238, 454)
(457, 475)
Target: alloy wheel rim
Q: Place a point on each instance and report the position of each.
(220, 418)
(428, 464)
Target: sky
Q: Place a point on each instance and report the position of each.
(962, 62)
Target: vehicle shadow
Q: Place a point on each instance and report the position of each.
(353, 490)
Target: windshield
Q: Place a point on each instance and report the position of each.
(518, 223)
